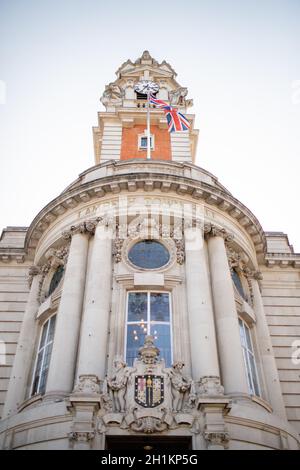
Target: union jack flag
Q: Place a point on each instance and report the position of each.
(158, 103)
(176, 121)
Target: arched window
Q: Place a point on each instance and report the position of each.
(249, 358)
(56, 278)
(43, 357)
(238, 283)
(148, 313)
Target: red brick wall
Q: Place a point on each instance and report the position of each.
(130, 144)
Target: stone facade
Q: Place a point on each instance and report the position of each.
(221, 267)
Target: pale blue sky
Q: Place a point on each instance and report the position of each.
(239, 59)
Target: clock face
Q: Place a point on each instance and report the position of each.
(146, 86)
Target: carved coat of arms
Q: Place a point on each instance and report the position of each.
(149, 390)
(148, 397)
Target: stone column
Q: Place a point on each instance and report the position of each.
(95, 321)
(233, 371)
(63, 359)
(200, 310)
(266, 351)
(25, 349)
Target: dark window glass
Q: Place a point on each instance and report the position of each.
(160, 310)
(135, 339)
(141, 96)
(144, 142)
(137, 306)
(56, 278)
(237, 283)
(162, 339)
(149, 254)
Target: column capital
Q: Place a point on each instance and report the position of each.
(33, 271)
(87, 227)
(210, 385)
(87, 384)
(217, 440)
(211, 230)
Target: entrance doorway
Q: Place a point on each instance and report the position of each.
(149, 443)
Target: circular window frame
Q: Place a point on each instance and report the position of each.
(167, 243)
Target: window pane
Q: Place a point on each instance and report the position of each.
(249, 358)
(135, 339)
(162, 340)
(42, 387)
(254, 376)
(44, 333)
(51, 329)
(248, 339)
(144, 142)
(137, 306)
(37, 373)
(242, 333)
(44, 372)
(159, 307)
(248, 371)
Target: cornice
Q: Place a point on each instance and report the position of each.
(283, 260)
(167, 177)
(147, 181)
(13, 254)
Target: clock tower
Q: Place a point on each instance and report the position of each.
(121, 133)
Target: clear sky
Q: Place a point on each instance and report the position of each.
(239, 59)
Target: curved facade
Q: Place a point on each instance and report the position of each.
(146, 320)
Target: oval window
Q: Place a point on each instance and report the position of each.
(149, 254)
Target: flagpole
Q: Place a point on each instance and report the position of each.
(148, 127)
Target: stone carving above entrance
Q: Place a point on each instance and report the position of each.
(148, 397)
(117, 384)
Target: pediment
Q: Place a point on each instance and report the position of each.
(137, 71)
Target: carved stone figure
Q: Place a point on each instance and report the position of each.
(181, 385)
(112, 94)
(117, 384)
(178, 97)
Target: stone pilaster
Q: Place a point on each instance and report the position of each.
(84, 404)
(25, 349)
(63, 360)
(229, 344)
(215, 432)
(200, 310)
(266, 351)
